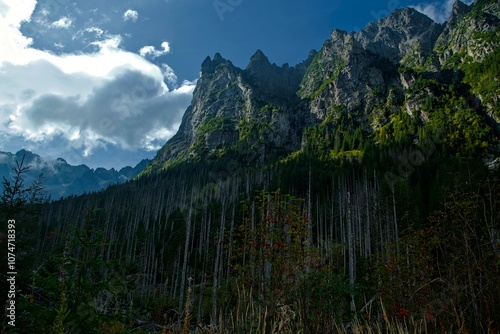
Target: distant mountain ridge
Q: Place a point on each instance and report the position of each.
(62, 179)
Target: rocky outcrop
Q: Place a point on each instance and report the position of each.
(229, 101)
(405, 30)
(461, 35)
(347, 74)
(458, 11)
(273, 83)
(360, 70)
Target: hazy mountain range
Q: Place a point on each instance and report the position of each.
(61, 179)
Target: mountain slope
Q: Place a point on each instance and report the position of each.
(470, 45)
(369, 80)
(248, 111)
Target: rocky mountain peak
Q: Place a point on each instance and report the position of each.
(459, 34)
(29, 157)
(258, 63)
(209, 65)
(458, 11)
(403, 30)
(258, 57)
(218, 58)
(278, 83)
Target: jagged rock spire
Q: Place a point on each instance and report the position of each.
(458, 11)
(209, 65)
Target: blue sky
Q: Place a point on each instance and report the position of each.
(105, 83)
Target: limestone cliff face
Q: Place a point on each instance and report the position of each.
(230, 104)
(359, 71)
(462, 33)
(375, 67)
(470, 44)
(347, 74)
(264, 108)
(404, 31)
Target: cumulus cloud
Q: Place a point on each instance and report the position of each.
(62, 23)
(11, 18)
(438, 11)
(132, 110)
(130, 15)
(109, 98)
(169, 75)
(153, 52)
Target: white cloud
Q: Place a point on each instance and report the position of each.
(110, 98)
(152, 52)
(62, 23)
(89, 34)
(97, 31)
(169, 75)
(438, 11)
(131, 15)
(12, 14)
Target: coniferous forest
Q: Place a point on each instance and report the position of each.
(292, 200)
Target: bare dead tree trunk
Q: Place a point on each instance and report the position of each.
(309, 210)
(352, 259)
(231, 230)
(185, 259)
(396, 230)
(368, 193)
(200, 300)
(217, 267)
